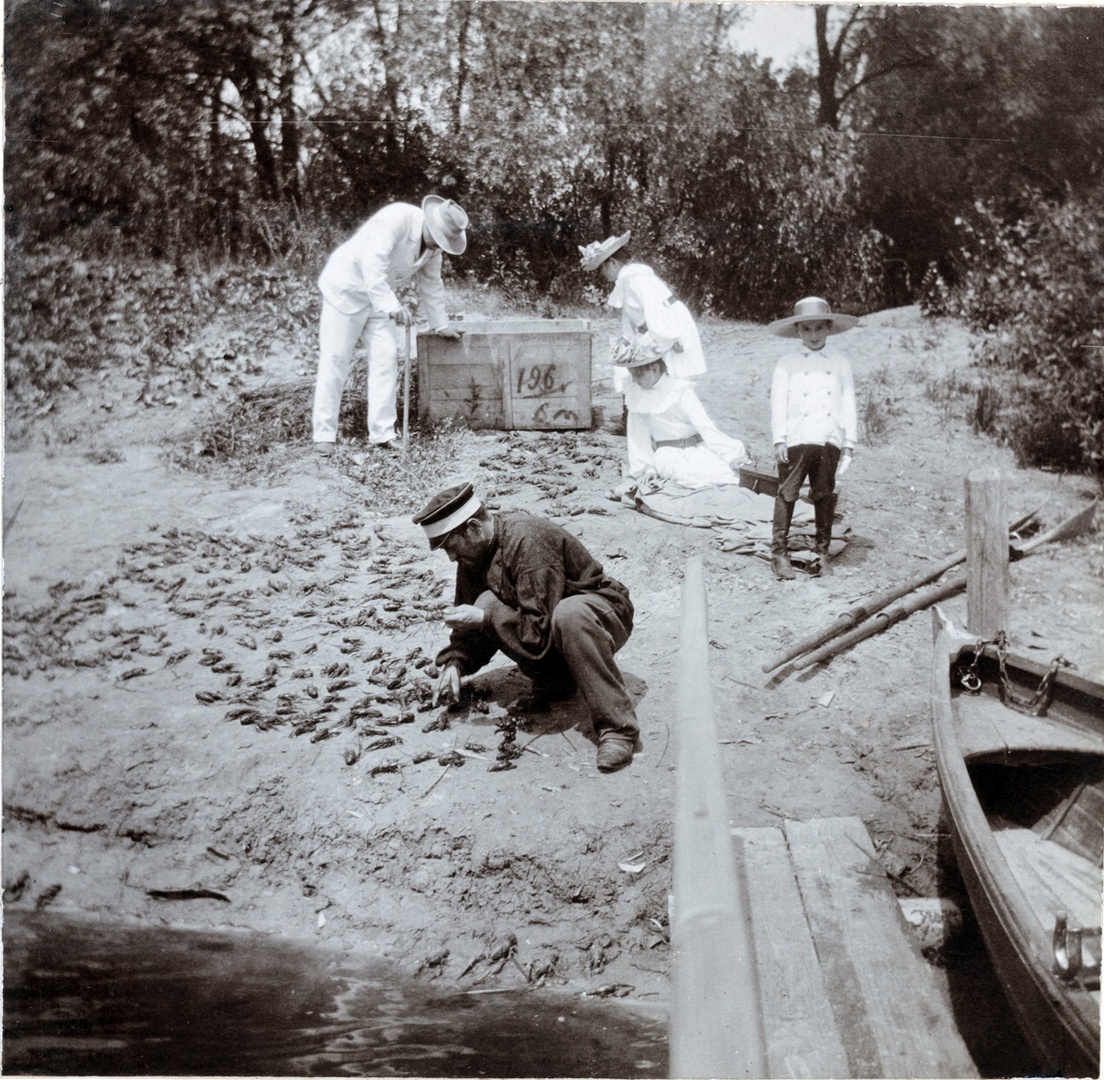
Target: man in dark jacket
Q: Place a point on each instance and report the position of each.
(528, 587)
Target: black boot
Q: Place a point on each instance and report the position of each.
(780, 558)
(824, 510)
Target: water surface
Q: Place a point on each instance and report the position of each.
(99, 999)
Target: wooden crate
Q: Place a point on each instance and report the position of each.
(531, 374)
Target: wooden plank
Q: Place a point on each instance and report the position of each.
(716, 1024)
(800, 1030)
(986, 553)
(548, 382)
(476, 327)
(1053, 879)
(987, 727)
(891, 1014)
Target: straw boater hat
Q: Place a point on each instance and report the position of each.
(593, 255)
(812, 309)
(446, 223)
(446, 511)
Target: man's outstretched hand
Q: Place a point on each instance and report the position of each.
(464, 617)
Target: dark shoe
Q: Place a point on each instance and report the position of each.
(825, 566)
(780, 534)
(391, 444)
(326, 449)
(780, 564)
(615, 750)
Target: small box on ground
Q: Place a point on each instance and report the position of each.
(511, 374)
(761, 481)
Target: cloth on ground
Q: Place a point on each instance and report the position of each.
(740, 517)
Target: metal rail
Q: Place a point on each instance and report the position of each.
(716, 1026)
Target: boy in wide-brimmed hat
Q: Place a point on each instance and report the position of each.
(813, 424)
(400, 241)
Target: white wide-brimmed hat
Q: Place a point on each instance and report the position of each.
(446, 223)
(631, 354)
(812, 309)
(593, 255)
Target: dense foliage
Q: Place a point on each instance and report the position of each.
(1032, 281)
(262, 132)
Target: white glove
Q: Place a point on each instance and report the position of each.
(843, 466)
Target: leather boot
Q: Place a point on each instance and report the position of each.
(780, 532)
(824, 511)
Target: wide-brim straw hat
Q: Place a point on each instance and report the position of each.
(446, 223)
(633, 354)
(593, 255)
(812, 309)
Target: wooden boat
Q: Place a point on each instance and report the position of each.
(1020, 752)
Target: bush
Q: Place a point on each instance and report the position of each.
(1030, 278)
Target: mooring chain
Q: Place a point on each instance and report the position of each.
(1037, 704)
(969, 679)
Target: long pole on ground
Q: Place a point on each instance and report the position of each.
(716, 1027)
(1077, 525)
(855, 615)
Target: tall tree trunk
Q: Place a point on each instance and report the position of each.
(461, 67)
(289, 121)
(828, 69)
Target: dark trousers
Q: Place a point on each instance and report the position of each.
(818, 463)
(586, 632)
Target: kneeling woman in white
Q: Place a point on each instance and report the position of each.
(670, 435)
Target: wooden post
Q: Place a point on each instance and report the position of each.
(986, 553)
(716, 1026)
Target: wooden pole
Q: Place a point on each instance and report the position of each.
(986, 553)
(1077, 525)
(716, 1026)
(406, 395)
(855, 615)
(883, 620)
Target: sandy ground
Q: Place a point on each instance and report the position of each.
(193, 660)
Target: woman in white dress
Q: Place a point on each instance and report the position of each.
(649, 310)
(670, 435)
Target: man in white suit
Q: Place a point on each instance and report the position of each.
(398, 242)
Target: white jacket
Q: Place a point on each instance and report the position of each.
(813, 399)
(385, 250)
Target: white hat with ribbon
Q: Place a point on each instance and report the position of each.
(593, 255)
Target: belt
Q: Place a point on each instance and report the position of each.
(681, 444)
(670, 301)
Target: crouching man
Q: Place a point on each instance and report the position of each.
(528, 587)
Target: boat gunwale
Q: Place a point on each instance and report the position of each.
(1003, 907)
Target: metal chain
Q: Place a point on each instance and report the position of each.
(1037, 704)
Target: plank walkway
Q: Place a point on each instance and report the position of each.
(845, 993)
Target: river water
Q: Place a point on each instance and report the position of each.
(84, 998)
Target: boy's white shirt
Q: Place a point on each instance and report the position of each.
(813, 399)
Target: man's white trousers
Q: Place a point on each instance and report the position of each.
(338, 335)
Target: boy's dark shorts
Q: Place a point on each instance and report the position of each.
(818, 463)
